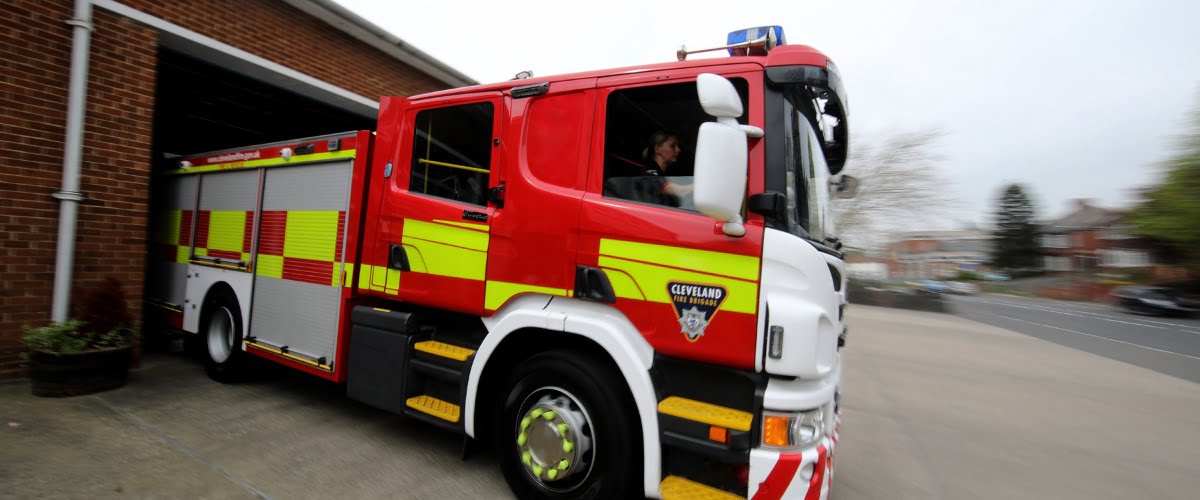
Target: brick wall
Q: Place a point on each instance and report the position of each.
(273, 30)
(35, 47)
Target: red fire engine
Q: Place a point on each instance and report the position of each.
(514, 262)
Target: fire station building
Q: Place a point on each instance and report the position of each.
(97, 95)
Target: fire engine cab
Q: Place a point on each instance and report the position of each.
(509, 262)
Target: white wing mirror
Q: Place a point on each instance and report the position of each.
(721, 154)
(718, 97)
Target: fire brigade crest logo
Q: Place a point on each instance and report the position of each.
(695, 306)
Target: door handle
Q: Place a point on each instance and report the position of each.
(398, 258)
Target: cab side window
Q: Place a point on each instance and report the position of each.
(452, 151)
(649, 145)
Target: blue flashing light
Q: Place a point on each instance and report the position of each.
(750, 34)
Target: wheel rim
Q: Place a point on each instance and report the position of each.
(555, 439)
(220, 335)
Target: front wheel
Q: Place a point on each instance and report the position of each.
(568, 429)
(221, 331)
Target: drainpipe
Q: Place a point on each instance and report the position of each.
(70, 196)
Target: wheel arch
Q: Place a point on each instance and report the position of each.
(533, 324)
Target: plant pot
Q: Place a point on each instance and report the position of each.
(58, 375)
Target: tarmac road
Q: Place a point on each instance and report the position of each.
(1165, 345)
(934, 406)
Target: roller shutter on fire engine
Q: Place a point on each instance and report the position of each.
(172, 241)
(300, 257)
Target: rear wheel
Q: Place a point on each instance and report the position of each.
(221, 331)
(568, 430)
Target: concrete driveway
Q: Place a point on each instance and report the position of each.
(934, 406)
(173, 433)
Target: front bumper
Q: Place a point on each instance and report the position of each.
(804, 474)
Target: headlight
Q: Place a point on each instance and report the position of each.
(793, 430)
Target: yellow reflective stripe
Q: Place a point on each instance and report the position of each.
(478, 227)
(391, 280)
(266, 162)
(202, 252)
(311, 235)
(184, 253)
(168, 227)
(382, 279)
(725, 264)
(226, 230)
(498, 292)
(652, 280)
(416, 263)
(245, 257)
(623, 285)
(270, 266)
(449, 235)
(378, 278)
(364, 277)
(446, 260)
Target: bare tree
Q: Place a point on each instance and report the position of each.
(901, 185)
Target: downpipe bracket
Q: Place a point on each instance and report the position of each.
(69, 196)
(80, 23)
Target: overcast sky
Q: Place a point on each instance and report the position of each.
(1075, 99)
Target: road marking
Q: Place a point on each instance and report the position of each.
(1056, 311)
(1099, 337)
(1191, 329)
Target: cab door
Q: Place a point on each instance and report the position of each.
(690, 289)
(433, 221)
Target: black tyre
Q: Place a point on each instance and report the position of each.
(569, 429)
(221, 336)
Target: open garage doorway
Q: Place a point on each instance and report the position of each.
(202, 107)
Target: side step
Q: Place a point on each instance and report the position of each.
(706, 413)
(444, 350)
(430, 405)
(675, 487)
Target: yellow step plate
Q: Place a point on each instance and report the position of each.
(706, 413)
(677, 487)
(444, 350)
(434, 406)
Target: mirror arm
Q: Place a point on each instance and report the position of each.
(734, 227)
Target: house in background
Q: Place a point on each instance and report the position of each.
(1093, 239)
(938, 254)
(863, 266)
(1074, 242)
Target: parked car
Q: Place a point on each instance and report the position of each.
(934, 286)
(1154, 300)
(962, 288)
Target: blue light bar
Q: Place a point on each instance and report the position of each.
(751, 34)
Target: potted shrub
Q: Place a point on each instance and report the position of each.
(88, 354)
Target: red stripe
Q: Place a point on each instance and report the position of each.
(337, 252)
(818, 477)
(248, 231)
(274, 232)
(308, 271)
(202, 229)
(185, 228)
(780, 478)
(225, 254)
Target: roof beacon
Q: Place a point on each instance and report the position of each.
(747, 42)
